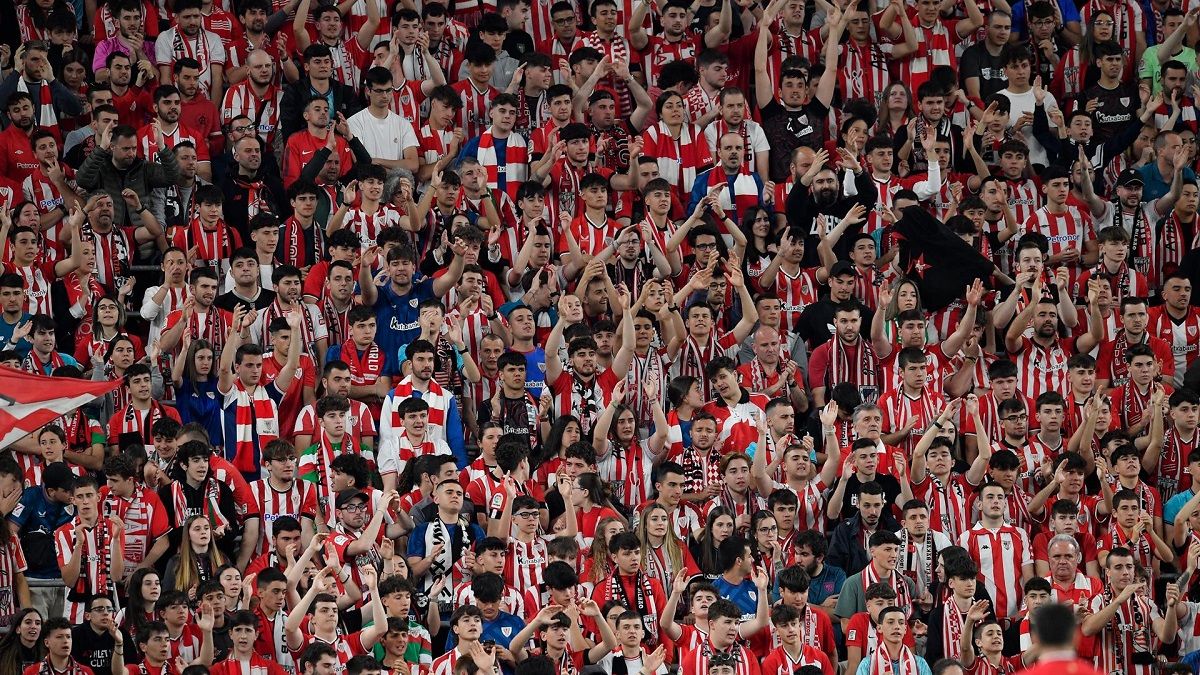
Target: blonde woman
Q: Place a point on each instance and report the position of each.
(663, 555)
(198, 558)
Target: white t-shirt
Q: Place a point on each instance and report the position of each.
(386, 138)
(206, 48)
(754, 131)
(1021, 104)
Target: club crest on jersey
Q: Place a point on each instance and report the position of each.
(1007, 545)
(413, 303)
(1191, 330)
(506, 631)
(542, 367)
(1124, 100)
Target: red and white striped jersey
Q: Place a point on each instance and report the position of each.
(1024, 198)
(1182, 335)
(114, 251)
(525, 562)
(95, 567)
(795, 292)
(936, 362)
(12, 563)
(695, 661)
(1001, 555)
(186, 645)
(368, 226)
(206, 47)
(512, 601)
(145, 520)
(588, 234)
(221, 23)
(433, 144)
(36, 279)
(898, 408)
(659, 51)
(1130, 631)
(263, 111)
(628, 472)
(299, 501)
(473, 117)
(887, 190)
(1031, 457)
(1172, 476)
(147, 146)
(807, 45)
(444, 664)
(693, 357)
(935, 47)
(947, 502)
(865, 72)
(1042, 368)
(1071, 228)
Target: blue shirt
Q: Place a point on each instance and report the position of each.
(1175, 504)
(500, 145)
(501, 630)
(38, 514)
(1068, 9)
(535, 372)
(744, 595)
(700, 191)
(6, 331)
(864, 666)
(1155, 185)
(68, 360)
(397, 318)
(200, 402)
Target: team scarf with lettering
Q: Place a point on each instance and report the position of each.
(369, 364)
(516, 161)
(43, 98)
(907, 548)
(870, 576)
(248, 410)
(744, 191)
(309, 332)
(212, 246)
(1120, 367)
(881, 661)
(131, 421)
(293, 249)
(865, 373)
(210, 508)
(642, 602)
(34, 364)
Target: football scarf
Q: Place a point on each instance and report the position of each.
(516, 162)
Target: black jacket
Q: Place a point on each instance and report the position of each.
(297, 94)
(847, 550)
(271, 197)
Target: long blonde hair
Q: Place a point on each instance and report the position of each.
(187, 573)
(670, 543)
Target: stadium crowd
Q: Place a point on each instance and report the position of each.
(411, 309)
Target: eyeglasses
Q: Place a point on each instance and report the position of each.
(353, 508)
(101, 610)
(526, 514)
(564, 20)
(244, 128)
(705, 247)
(1015, 418)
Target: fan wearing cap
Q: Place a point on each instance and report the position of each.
(1136, 216)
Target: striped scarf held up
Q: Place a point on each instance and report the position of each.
(516, 162)
(255, 414)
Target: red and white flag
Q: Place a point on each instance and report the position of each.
(28, 401)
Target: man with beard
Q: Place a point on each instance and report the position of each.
(738, 187)
(1125, 621)
(250, 189)
(1042, 358)
(246, 272)
(17, 159)
(318, 133)
(1176, 321)
(81, 142)
(819, 192)
(56, 103)
(982, 63)
(612, 134)
(318, 80)
(257, 97)
(813, 325)
(198, 318)
(196, 111)
(188, 39)
(871, 516)
(115, 167)
(132, 100)
(1002, 552)
(260, 34)
(167, 107)
(130, 41)
(794, 119)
